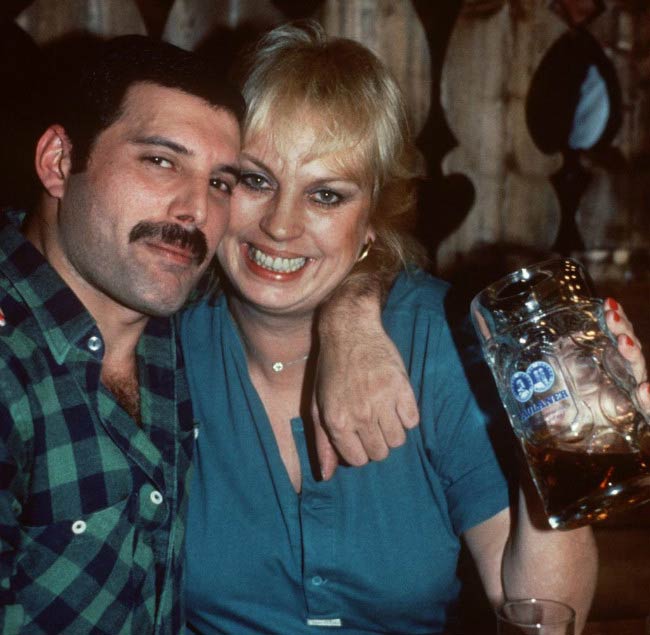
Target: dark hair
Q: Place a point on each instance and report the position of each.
(94, 100)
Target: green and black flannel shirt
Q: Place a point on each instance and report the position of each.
(92, 506)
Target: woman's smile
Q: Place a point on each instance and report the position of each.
(298, 221)
(276, 264)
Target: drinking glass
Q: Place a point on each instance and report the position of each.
(535, 617)
(569, 394)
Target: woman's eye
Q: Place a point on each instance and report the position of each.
(326, 197)
(160, 161)
(255, 181)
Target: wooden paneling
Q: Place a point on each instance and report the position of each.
(391, 28)
(493, 52)
(48, 20)
(489, 65)
(192, 21)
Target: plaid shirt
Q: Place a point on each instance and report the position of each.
(92, 506)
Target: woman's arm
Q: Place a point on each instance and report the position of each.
(518, 555)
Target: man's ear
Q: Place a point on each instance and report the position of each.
(53, 160)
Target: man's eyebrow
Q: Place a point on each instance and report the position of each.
(231, 169)
(155, 140)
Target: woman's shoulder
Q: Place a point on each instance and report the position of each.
(415, 289)
(200, 318)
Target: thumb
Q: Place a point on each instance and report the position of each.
(327, 457)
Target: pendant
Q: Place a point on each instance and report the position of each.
(278, 367)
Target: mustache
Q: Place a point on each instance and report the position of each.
(173, 234)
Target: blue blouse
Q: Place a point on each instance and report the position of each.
(375, 549)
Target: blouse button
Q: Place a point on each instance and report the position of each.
(78, 527)
(156, 497)
(317, 580)
(94, 343)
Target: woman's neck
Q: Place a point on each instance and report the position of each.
(276, 345)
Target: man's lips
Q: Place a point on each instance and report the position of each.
(173, 239)
(178, 255)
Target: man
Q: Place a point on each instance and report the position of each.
(95, 422)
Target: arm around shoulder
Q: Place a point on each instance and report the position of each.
(363, 394)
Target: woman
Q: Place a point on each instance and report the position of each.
(271, 548)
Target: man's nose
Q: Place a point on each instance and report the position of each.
(190, 206)
(283, 219)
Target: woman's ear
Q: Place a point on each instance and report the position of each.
(53, 160)
(365, 250)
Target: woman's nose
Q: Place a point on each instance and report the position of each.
(282, 220)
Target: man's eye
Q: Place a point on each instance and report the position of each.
(255, 181)
(220, 184)
(326, 197)
(160, 161)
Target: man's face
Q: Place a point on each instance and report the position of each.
(140, 225)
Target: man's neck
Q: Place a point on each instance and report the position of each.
(120, 326)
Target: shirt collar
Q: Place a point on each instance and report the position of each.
(60, 315)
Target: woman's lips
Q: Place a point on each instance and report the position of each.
(276, 264)
(273, 266)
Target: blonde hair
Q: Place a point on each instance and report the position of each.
(358, 114)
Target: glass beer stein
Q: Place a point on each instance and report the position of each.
(569, 394)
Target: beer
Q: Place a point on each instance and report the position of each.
(579, 487)
(569, 394)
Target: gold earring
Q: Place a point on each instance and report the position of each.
(364, 251)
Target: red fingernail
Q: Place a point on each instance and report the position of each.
(613, 304)
(629, 341)
(617, 317)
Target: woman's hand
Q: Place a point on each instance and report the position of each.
(630, 348)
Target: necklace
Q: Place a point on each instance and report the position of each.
(278, 366)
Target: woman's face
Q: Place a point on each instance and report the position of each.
(297, 225)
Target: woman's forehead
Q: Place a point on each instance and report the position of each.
(307, 139)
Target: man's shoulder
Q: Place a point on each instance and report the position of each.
(19, 333)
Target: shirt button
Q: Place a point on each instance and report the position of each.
(317, 580)
(78, 527)
(156, 497)
(94, 343)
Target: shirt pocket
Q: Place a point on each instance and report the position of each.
(78, 565)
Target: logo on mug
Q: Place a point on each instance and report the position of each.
(522, 386)
(539, 377)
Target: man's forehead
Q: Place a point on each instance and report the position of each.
(152, 96)
(150, 110)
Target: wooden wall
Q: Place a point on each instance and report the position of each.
(466, 68)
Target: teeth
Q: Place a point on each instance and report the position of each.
(279, 265)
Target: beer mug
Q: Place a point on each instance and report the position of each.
(569, 394)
